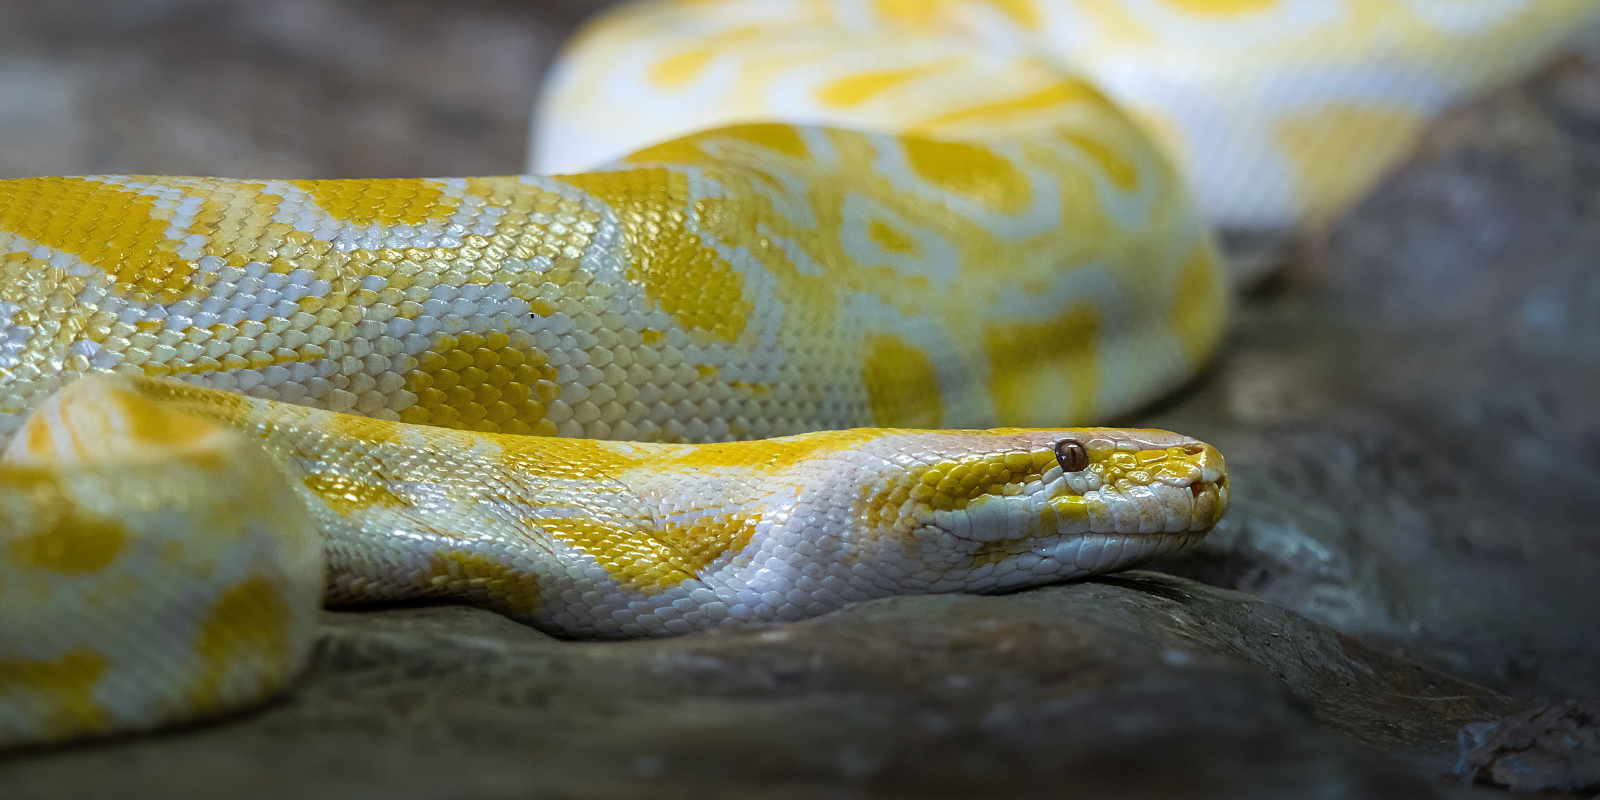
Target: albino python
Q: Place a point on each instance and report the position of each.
(225, 402)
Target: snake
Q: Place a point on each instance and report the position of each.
(801, 303)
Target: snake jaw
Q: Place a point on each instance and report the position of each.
(999, 511)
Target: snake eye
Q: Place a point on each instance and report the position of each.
(1071, 455)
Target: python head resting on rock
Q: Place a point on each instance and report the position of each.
(697, 385)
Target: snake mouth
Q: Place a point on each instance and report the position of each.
(1044, 504)
(1130, 506)
(1087, 524)
(1181, 489)
(1009, 565)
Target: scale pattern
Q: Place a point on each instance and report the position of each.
(1278, 112)
(579, 537)
(752, 281)
(201, 379)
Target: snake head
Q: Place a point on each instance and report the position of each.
(990, 510)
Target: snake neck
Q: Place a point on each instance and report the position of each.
(621, 539)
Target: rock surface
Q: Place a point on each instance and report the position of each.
(1412, 417)
(1409, 414)
(1141, 685)
(1550, 749)
(293, 89)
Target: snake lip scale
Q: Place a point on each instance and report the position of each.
(822, 326)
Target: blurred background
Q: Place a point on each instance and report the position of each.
(284, 89)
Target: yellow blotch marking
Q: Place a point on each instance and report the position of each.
(652, 561)
(927, 12)
(152, 422)
(1066, 92)
(685, 150)
(478, 382)
(746, 219)
(971, 171)
(708, 538)
(1022, 12)
(1122, 172)
(755, 389)
(766, 455)
(1069, 507)
(499, 191)
(635, 560)
(1223, 7)
(1045, 373)
(67, 683)
(149, 415)
(191, 397)
(70, 542)
(345, 494)
(244, 641)
(110, 228)
(1199, 302)
(782, 138)
(917, 12)
(570, 459)
(902, 384)
(41, 442)
(951, 486)
(1339, 151)
(393, 201)
(681, 68)
(688, 279)
(853, 90)
(366, 429)
(486, 582)
(236, 220)
(891, 238)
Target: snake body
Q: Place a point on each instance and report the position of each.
(214, 389)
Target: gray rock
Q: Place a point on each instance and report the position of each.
(1550, 749)
(293, 89)
(1410, 415)
(1141, 685)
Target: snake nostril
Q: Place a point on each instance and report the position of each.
(1071, 455)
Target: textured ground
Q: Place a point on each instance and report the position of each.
(1409, 414)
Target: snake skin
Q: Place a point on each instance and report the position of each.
(213, 390)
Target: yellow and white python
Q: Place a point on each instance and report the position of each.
(823, 225)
